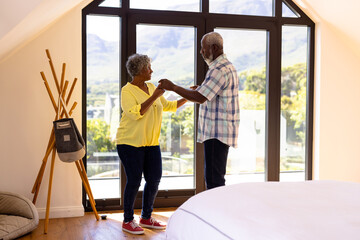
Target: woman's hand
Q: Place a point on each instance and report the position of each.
(145, 105)
(158, 92)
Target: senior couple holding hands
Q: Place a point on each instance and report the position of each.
(138, 134)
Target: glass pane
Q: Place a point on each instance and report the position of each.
(246, 49)
(244, 7)
(287, 12)
(110, 3)
(102, 104)
(171, 50)
(293, 103)
(174, 5)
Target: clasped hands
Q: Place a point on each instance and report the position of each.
(166, 84)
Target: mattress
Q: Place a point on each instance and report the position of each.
(271, 210)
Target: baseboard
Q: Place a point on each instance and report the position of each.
(62, 212)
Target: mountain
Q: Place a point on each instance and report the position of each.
(171, 50)
(102, 60)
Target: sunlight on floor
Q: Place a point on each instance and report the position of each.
(159, 214)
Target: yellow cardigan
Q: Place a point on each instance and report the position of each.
(141, 130)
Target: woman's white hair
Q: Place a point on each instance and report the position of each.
(212, 38)
(136, 63)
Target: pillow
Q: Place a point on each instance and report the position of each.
(17, 205)
(18, 216)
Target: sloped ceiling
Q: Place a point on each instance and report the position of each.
(343, 16)
(21, 21)
(12, 12)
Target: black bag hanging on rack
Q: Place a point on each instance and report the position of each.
(70, 145)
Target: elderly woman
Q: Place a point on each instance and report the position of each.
(138, 141)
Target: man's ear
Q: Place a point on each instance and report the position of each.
(214, 47)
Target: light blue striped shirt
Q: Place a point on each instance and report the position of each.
(219, 116)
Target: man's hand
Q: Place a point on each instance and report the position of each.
(166, 84)
(194, 87)
(189, 94)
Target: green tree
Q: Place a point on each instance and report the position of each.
(182, 126)
(253, 86)
(252, 100)
(255, 81)
(98, 140)
(293, 95)
(186, 117)
(293, 99)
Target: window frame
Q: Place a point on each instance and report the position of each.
(206, 22)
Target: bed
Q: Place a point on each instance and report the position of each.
(271, 210)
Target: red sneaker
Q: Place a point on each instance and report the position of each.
(132, 227)
(151, 223)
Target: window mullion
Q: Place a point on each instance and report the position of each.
(272, 144)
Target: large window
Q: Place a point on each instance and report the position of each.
(293, 102)
(171, 49)
(102, 104)
(247, 50)
(270, 43)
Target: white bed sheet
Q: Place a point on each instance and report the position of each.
(272, 210)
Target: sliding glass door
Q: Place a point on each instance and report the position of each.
(172, 50)
(102, 104)
(247, 50)
(294, 81)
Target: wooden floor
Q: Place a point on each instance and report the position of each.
(87, 228)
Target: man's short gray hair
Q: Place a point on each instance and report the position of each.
(214, 38)
(136, 63)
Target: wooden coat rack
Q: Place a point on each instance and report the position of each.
(51, 148)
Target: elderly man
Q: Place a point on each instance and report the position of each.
(219, 114)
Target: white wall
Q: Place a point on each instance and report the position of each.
(336, 111)
(337, 98)
(27, 115)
